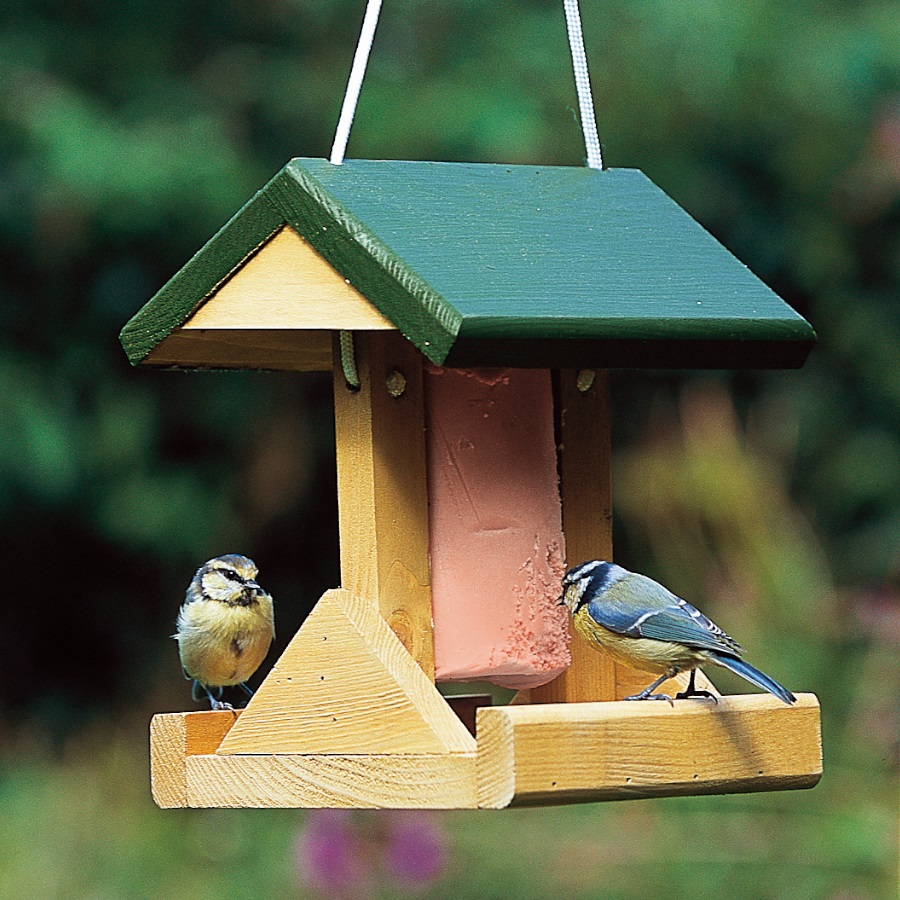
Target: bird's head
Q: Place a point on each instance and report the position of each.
(229, 579)
(584, 582)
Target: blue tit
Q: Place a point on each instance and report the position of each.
(225, 627)
(643, 625)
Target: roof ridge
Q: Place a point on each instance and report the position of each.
(391, 286)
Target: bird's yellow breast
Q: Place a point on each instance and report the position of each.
(222, 645)
(646, 654)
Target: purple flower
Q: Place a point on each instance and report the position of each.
(341, 854)
(328, 853)
(414, 855)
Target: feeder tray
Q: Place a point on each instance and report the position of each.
(461, 266)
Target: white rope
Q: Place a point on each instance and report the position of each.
(354, 83)
(583, 85)
(579, 66)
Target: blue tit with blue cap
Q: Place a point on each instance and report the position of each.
(644, 625)
(225, 627)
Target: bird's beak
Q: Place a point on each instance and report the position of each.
(562, 599)
(253, 587)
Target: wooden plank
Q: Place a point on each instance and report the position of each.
(583, 439)
(175, 736)
(350, 781)
(269, 349)
(569, 753)
(382, 492)
(287, 284)
(168, 748)
(345, 684)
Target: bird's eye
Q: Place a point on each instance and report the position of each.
(231, 575)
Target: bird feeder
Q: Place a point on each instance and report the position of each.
(469, 313)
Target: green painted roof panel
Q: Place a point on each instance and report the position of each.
(483, 264)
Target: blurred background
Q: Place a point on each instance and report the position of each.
(130, 131)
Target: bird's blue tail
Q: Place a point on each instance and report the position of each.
(754, 676)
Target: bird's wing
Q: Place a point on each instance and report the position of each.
(644, 608)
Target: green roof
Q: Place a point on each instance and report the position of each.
(487, 265)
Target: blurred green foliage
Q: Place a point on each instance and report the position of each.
(130, 131)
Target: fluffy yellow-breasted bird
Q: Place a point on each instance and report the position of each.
(644, 625)
(225, 627)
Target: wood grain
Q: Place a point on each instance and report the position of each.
(287, 284)
(175, 736)
(382, 490)
(334, 781)
(564, 753)
(168, 750)
(345, 684)
(222, 348)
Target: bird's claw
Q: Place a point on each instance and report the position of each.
(220, 705)
(665, 697)
(701, 694)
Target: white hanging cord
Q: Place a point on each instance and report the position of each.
(579, 65)
(354, 83)
(583, 85)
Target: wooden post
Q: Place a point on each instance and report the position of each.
(582, 423)
(382, 493)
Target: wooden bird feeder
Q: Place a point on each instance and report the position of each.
(469, 313)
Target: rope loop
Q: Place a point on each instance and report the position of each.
(579, 66)
(348, 360)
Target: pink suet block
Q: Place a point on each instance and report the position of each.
(495, 527)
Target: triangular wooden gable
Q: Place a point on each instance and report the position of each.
(345, 684)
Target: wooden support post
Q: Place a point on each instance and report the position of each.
(382, 493)
(582, 422)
